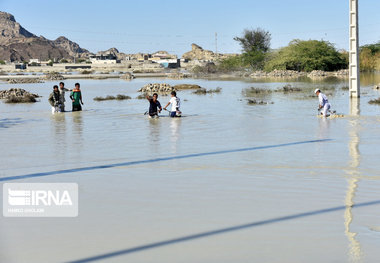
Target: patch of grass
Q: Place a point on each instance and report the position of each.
(289, 88)
(141, 96)
(23, 99)
(374, 101)
(203, 91)
(258, 102)
(109, 97)
(254, 90)
(122, 97)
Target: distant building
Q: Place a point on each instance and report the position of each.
(104, 59)
(169, 63)
(34, 60)
(163, 55)
(143, 57)
(20, 66)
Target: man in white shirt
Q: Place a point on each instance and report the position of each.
(62, 91)
(323, 103)
(175, 102)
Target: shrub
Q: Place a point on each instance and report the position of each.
(109, 97)
(233, 63)
(122, 97)
(203, 91)
(307, 56)
(370, 57)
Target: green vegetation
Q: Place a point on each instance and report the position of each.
(252, 91)
(118, 97)
(81, 60)
(86, 72)
(288, 88)
(374, 101)
(307, 56)
(2, 62)
(141, 96)
(64, 61)
(370, 57)
(299, 55)
(203, 91)
(233, 63)
(255, 44)
(258, 102)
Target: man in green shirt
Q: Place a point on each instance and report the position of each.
(76, 97)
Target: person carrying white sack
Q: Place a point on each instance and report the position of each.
(324, 104)
(55, 100)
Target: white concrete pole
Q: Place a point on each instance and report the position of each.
(354, 51)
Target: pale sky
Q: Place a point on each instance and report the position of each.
(149, 26)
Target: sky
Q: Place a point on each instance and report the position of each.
(173, 25)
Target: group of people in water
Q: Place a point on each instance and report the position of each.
(57, 101)
(155, 106)
(57, 98)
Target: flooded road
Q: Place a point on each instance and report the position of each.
(228, 182)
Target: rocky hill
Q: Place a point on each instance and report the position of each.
(18, 44)
(71, 47)
(198, 53)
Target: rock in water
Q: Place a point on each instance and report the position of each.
(24, 81)
(18, 96)
(128, 76)
(157, 87)
(54, 76)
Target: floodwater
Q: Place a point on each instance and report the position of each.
(228, 182)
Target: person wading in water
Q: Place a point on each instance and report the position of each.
(155, 106)
(76, 97)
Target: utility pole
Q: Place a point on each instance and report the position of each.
(354, 79)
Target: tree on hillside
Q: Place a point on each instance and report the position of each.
(307, 55)
(255, 44)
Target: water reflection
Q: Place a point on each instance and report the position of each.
(324, 128)
(154, 130)
(369, 79)
(355, 253)
(154, 134)
(59, 133)
(77, 123)
(175, 124)
(77, 139)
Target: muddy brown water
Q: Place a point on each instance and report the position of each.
(235, 182)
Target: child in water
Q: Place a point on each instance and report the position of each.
(176, 103)
(155, 106)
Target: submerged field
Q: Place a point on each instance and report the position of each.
(236, 182)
